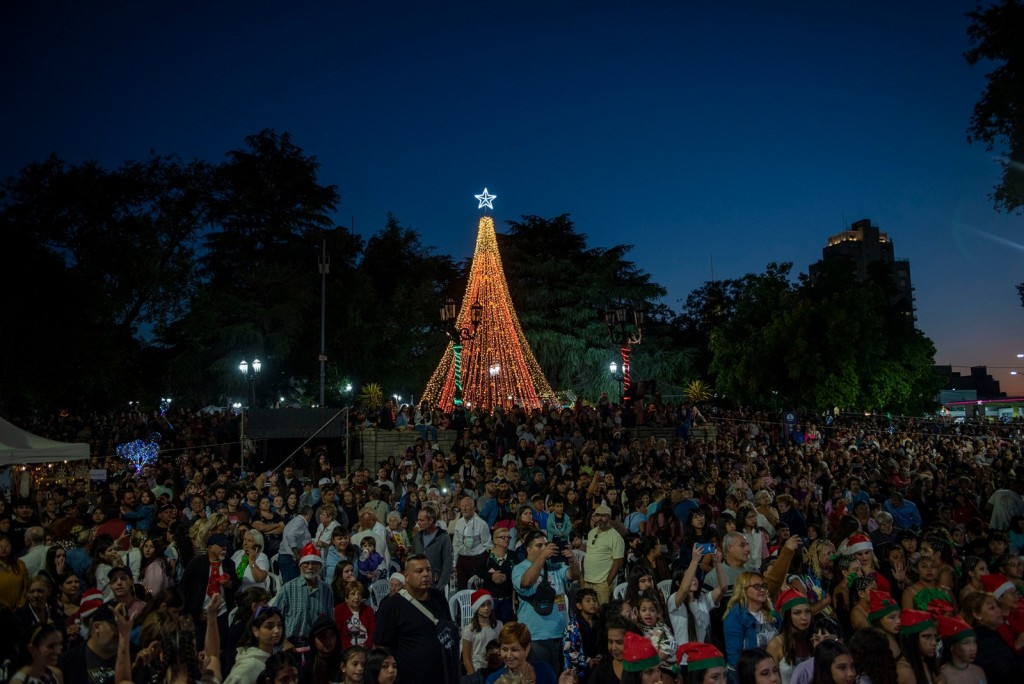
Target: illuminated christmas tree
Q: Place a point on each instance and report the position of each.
(491, 356)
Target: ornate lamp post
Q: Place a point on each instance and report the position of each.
(251, 372)
(460, 335)
(624, 336)
(617, 375)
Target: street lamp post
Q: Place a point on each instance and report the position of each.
(624, 336)
(617, 375)
(250, 371)
(460, 335)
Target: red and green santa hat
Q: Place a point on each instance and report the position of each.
(638, 653)
(881, 604)
(696, 656)
(954, 630)
(915, 621)
(790, 599)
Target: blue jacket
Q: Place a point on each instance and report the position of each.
(741, 632)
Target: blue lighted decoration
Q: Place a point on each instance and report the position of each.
(486, 200)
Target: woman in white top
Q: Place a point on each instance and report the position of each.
(746, 521)
(251, 565)
(690, 605)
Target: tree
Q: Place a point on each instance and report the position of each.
(996, 35)
(114, 251)
(560, 287)
(259, 292)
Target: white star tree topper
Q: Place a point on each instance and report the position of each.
(486, 200)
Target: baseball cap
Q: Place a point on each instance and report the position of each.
(602, 510)
(218, 539)
(116, 570)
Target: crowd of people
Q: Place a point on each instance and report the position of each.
(541, 546)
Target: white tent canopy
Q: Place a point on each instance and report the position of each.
(18, 446)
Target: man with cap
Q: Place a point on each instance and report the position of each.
(208, 576)
(605, 553)
(122, 589)
(93, 660)
(304, 599)
(165, 515)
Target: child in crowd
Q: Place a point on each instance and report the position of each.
(353, 662)
(559, 525)
(482, 630)
(960, 648)
(579, 639)
(653, 625)
(370, 561)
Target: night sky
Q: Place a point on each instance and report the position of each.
(706, 136)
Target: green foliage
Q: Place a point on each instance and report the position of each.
(698, 391)
(560, 288)
(371, 396)
(819, 344)
(997, 36)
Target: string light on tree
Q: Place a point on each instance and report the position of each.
(498, 342)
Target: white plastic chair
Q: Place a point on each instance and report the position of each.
(378, 591)
(580, 555)
(620, 590)
(461, 607)
(273, 582)
(666, 587)
(275, 567)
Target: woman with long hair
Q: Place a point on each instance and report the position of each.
(263, 636)
(324, 664)
(748, 621)
(833, 664)
(280, 668)
(884, 614)
(817, 576)
(640, 661)
(875, 662)
(44, 646)
(971, 570)
(698, 531)
(919, 636)
(381, 667)
(704, 664)
(153, 570)
(69, 605)
(689, 604)
(792, 645)
(757, 666)
(180, 549)
(746, 524)
(270, 524)
(56, 562)
(104, 557)
(524, 525)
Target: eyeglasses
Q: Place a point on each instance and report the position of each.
(758, 587)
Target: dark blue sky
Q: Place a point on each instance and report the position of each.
(737, 135)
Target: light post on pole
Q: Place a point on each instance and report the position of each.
(621, 334)
(250, 371)
(460, 335)
(617, 376)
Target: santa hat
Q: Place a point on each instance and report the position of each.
(954, 630)
(479, 597)
(855, 543)
(696, 656)
(789, 599)
(310, 555)
(638, 653)
(91, 600)
(996, 584)
(881, 605)
(915, 621)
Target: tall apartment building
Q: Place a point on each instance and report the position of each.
(865, 246)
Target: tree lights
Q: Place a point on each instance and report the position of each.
(488, 352)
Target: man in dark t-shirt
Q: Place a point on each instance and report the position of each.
(411, 635)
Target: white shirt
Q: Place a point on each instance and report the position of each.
(472, 537)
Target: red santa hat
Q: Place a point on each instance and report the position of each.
(855, 543)
(638, 653)
(310, 555)
(996, 584)
(90, 601)
(479, 598)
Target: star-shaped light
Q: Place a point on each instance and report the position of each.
(485, 200)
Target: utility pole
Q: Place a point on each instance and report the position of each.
(325, 267)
